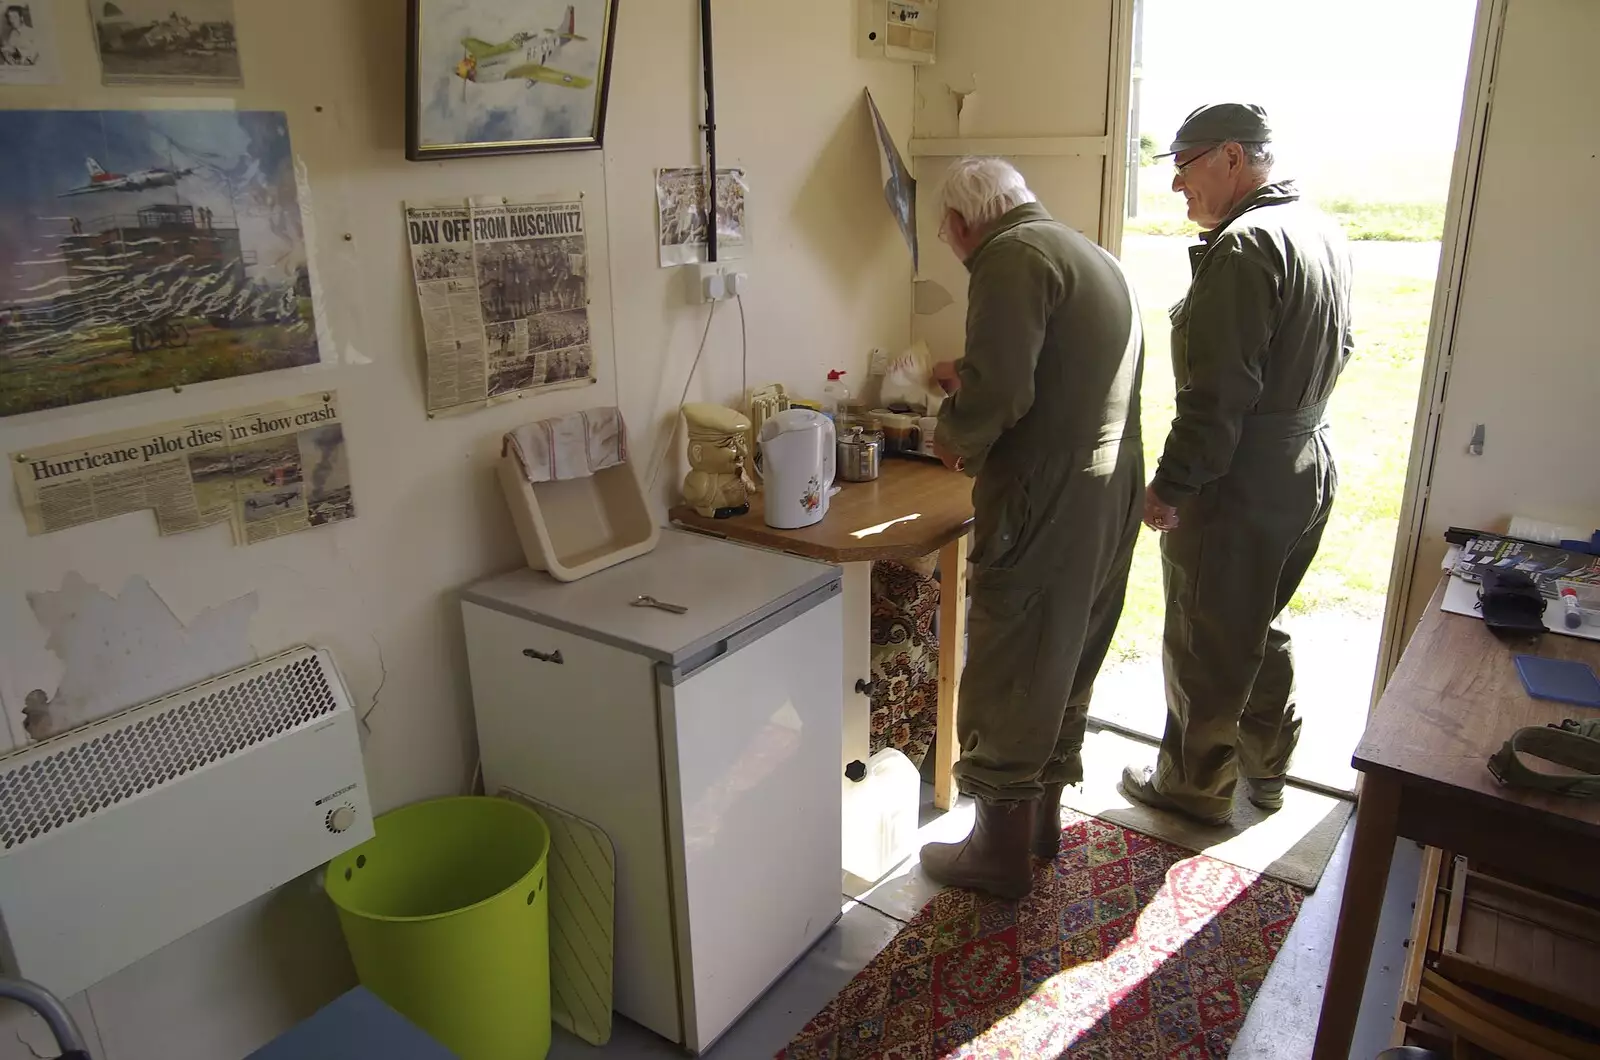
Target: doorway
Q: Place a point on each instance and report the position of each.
(1365, 100)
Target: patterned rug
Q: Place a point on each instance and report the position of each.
(905, 657)
(1127, 948)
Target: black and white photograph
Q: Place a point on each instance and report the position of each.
(519, 278)
(443, 263)
(558, 331)
(166, 41)
(28, 44)
(328, 496)
(682, 210)
(564, 366)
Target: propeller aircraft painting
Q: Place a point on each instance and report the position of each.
(502, 76)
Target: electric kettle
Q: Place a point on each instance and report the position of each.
(798, 461)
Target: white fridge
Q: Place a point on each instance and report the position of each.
(705, 744)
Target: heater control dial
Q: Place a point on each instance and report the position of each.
(340, 818)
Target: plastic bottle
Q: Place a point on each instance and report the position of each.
(880, 815)
(835, 395)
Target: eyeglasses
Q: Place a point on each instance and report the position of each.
(1179, 167)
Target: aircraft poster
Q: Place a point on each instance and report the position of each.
(501, 76)
(899, 186)
(142, 250)
(28, 44)
(180, 42)
(504, 293)
(268, 470)
(681, 210)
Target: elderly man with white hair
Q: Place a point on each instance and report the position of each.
(1044, 412)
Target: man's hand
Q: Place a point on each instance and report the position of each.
(944, 373)
(1158, 514)
(949, 459)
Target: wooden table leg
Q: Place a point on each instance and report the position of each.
(952, 657)
(1377, 818)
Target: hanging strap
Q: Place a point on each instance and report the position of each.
(1573, 744)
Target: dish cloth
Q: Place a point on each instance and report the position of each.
(572, 446)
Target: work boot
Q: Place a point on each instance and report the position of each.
(1139, 784)
(1265, 793)
(994, 858)
(1047, 823)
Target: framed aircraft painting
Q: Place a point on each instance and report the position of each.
(494, 77)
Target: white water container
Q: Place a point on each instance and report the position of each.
(880, 815)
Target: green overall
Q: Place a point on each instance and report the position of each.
(1047, 419)
(1257, 346)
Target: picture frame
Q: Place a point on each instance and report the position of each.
(499, 77)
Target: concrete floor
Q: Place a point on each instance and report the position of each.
(1333, 667)
(1281, 1025)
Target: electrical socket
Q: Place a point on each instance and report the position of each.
(720, 281)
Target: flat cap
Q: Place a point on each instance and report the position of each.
(1220, 123)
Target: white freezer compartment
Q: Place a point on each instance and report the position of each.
(720, 792)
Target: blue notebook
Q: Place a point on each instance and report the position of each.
(1557, 679)
(356, 1026)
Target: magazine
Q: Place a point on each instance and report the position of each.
(1546, 564)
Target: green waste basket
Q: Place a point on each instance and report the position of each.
(447, 916)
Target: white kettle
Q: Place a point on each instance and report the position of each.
(797, 467)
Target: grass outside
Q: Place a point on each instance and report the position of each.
(1373, 409)
(91, 369)
(1161, 213)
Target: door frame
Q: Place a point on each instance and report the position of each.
(1119, 134)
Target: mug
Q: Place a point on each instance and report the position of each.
(901, 431)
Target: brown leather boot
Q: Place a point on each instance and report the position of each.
(1047, 823)
(994, 858)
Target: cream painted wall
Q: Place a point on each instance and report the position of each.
(1524, 360)
(1015, 78)
(829, 282)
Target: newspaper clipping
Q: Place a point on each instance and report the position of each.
(447, 291)
(504, 291)
(533, 284)
(269, 470)
(682, 209)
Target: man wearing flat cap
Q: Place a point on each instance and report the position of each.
(1246, 480)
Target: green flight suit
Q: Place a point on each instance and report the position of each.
(1047, 419)
(1257, 346)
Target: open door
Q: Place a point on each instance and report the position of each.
(1512, 348)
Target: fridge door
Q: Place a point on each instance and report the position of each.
(750, 746)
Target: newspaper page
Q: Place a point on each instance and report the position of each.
(533, 288)
(682, 208)
(269, 470)
(447, 291)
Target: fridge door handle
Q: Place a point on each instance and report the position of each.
(747, 635)
(552, 657)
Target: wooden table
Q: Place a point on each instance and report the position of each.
(914, 508)
(1453, 701)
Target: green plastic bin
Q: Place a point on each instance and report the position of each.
(447, 916)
